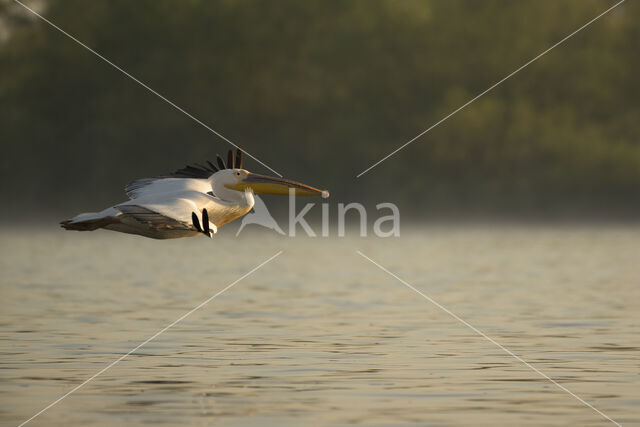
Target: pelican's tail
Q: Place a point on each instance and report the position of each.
(88, 221)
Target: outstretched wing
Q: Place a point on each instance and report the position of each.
(156, 186)
(175, 210)
(153, 219)
(189, 178)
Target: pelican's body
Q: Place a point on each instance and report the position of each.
(170, 207)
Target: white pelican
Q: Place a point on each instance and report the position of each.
(191, 201)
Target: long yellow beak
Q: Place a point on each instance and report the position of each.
(270, 185)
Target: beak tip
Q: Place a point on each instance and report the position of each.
(325, 194)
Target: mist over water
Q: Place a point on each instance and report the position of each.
(320, 335)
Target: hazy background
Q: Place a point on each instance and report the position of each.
(321, 90)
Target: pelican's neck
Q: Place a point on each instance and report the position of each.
(234, 197)
(248, 197)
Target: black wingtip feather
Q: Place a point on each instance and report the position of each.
(230, 161)
(238, 159)
(204, 172)
(212, 166)
(196, 221)
(221, 164)
(205, 222)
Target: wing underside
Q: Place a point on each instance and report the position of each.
(153, 219)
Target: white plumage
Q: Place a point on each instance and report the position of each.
(189, 202)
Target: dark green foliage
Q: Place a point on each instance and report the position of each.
(321, 90)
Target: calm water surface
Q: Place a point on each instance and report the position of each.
(320, 336)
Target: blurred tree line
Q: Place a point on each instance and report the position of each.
(319, 91)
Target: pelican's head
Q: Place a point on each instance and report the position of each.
(243, 180)
(230, 181)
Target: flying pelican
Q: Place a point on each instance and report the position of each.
(191, 201)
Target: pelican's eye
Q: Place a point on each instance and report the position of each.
(238, 173)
